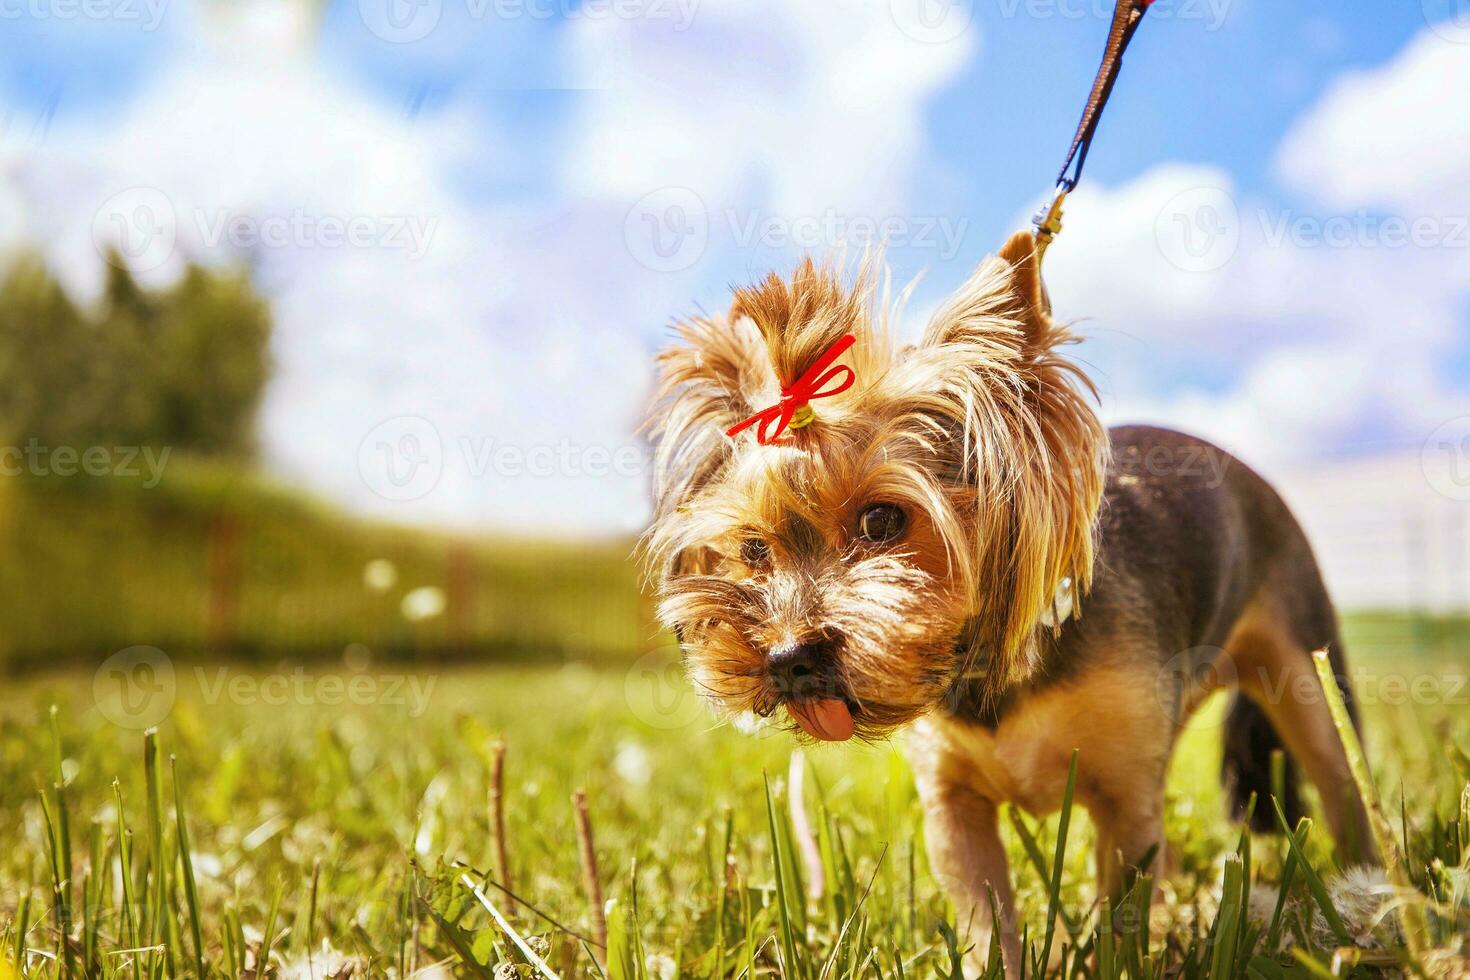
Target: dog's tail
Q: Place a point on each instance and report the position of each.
(1250, 743)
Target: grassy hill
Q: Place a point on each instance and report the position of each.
(215, 561)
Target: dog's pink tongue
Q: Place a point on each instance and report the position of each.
(828, 720)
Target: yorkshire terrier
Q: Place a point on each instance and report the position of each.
(944, 537)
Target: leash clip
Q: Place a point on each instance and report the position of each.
(1048, 220)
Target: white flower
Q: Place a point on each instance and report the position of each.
(631, 763)
(380, 575)
(422, 603)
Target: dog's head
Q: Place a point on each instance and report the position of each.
(920, 527)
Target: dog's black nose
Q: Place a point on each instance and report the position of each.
(801, 670)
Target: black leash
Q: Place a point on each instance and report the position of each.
(1126, 18)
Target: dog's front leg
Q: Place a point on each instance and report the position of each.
(962, 832)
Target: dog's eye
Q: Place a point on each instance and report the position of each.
(755, 552)
(882, 523)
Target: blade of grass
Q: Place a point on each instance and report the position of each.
(191, 889)
(722, 894)
(125, 866)
(1054, 890)
(837, 946)
(62, 860)
(1288, 874)
(1410, 914)
(268, 938)
(1107, 957)
(1313, 880)
(22, 926)
(590, 874)
(793, 965)
(505, 927)
(457, 938)
(801, 827)
(1038, 860)
(1225, 936)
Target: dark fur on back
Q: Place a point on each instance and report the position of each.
(1189, 539)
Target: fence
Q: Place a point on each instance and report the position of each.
(84, 574)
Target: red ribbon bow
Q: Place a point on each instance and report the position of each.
(788, 412)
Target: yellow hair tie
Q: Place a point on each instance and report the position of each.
(801, 418)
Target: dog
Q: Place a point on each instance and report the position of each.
(944, 538)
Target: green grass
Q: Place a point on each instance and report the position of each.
(349, 832)
(215, 560)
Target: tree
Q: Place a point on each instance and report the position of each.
(183, 367)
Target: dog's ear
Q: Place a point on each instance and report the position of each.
(707, 379)
(990, 370)
(1032, 307)
(1006, 287)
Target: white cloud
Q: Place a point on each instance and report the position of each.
(485, 334)
(526, 322)
(1180, 255)
(813, 106)
(521, 332)
(1306, 328)
(1392, 137)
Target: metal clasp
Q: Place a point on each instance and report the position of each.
(1048, 221)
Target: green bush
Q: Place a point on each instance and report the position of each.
(183, 367)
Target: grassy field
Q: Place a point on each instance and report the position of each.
(311, 821)
(212, 557)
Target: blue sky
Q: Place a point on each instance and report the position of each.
(539, 186)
